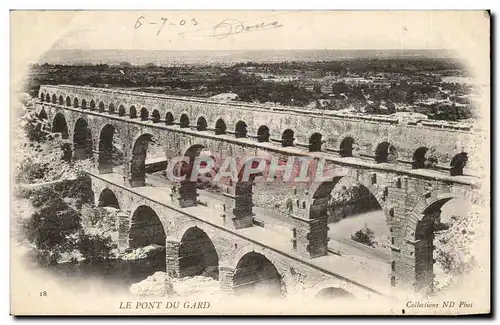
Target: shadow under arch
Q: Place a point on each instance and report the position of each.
(82, 140)
(59, 125)
(197, 255)
(107, 198)
(146, 228)
(256, 275)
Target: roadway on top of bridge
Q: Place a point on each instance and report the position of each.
(342, 267)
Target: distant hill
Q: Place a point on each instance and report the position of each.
(172, 57)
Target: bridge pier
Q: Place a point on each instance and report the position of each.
(185, 194)
(122, 224)
(310, 235)
(239, 210)
(226, 275)
(104, 161)
(172, 258)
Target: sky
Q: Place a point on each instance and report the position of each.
(34, 33)
(299, 29)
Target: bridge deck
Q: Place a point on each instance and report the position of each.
(348, 267)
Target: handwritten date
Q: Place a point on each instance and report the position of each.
(163, 21)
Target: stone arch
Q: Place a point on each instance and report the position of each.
(421, 227)
(59, 125)
(42, 96)
(155, 116)
(184, 121)
(92, 104)
(138, 162)
(320, 190)
(458, 164)
(47, 98)
(287, 138)
(315, 142)
(68, 101)
(323, 206)
(197, 254)
(256, 274)
(75, 102)
(240, 130)
(54, 99)
(61, 100)
(132, 113)
(263, 134)
(107, 198)
(144, 114)
(101, 107)
(84, 104)
(146, 228)
(220, 127)
(201, 124)
(111, 108)
(82, 140)
(347, 146)
(107, 158)
(43, 115)
(121, 110)
(419, 158)
(169, 118)
(385, 152)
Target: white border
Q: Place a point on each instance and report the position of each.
(188, 4)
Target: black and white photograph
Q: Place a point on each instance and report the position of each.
(250, 162)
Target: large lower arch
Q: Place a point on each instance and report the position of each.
(59, 125)
(197, 255)
(256, 275)
(138, 163)
(108, 199)
(82, 140)
(146, 228)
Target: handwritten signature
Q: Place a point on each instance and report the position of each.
(229, 27)
(232, 26)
